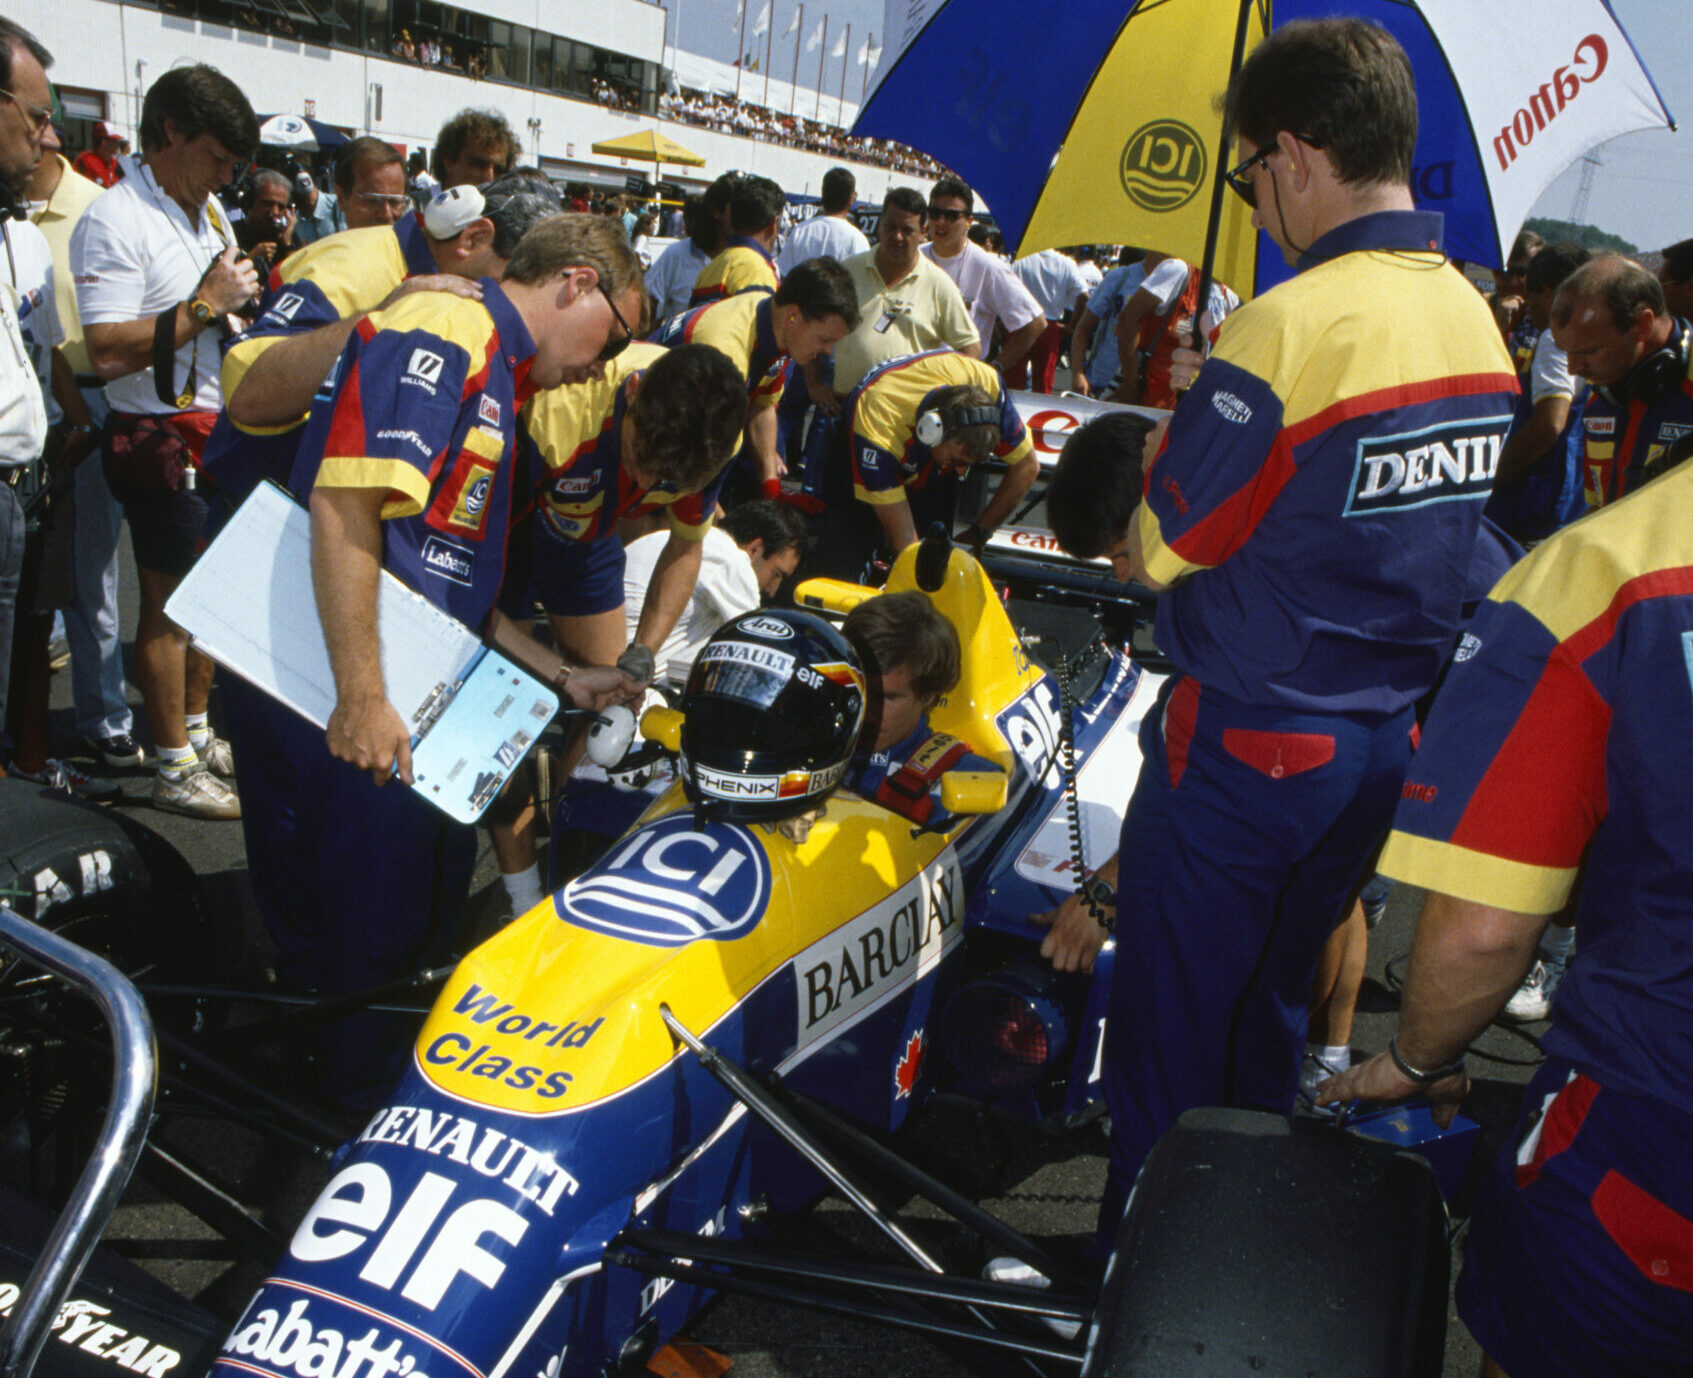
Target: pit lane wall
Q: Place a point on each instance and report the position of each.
(114, 52)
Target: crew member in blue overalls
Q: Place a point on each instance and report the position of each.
(409, 467)
(1310, 518)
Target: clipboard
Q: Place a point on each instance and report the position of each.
(474, 714)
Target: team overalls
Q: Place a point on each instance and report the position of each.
(1313, 512)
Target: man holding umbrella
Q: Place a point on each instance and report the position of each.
(1309, 519)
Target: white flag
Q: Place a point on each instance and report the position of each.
(740, 9)
(875, 58)
(792, 24)
(816, 38)
(839, 50)
(863, 52)
(762, 23)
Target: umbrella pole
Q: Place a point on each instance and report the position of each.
(1219, 184)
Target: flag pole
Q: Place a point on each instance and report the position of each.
(740, 51)
(864, 80)
(769, 41)
(817, 110)
(793, 84)
(840, 100)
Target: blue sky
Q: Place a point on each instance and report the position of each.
(1643, 189)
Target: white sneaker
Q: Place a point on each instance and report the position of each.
(195, 792)
(1533, 999)
(217, 757)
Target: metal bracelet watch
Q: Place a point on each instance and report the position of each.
(1422, 1078)
(1101, 897)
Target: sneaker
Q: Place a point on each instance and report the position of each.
(121, 750)
(67, 779)
(197, 793)
(1313, 1072)
(1533, 999)
(217, 757)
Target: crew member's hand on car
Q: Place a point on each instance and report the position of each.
(1075, 936)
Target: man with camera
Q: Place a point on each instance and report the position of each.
(158, 275)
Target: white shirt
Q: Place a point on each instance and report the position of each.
(1053, 279)
(726, 588)
(1168, 281)
(671, 278)
(822, 236)
(31, 273)
(1549, 373)
(990, 289)
(135, 255)
(1091, 272)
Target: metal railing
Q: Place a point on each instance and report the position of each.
(134, 1076)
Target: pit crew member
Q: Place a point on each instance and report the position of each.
(747, 261)
(914, 425)
(1577, 696)
(1311, 588)
(409, 467)
(1611, 320)
(805, 318)
(911, 660)
(272, 370)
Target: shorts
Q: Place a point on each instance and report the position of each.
(577, 578)
(1580, 1252)
(167, 531)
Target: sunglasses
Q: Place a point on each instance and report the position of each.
(612, 348)
(384, 200)
(935, 213)
(1239, 177)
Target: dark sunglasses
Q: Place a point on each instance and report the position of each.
(1239, 177)
(936, 213)
(612, 348)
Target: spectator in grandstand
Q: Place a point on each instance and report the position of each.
(830, 233)
(474, 147)
(990, 289)
(370, 184)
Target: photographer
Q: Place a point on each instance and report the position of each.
(158, 273)
(267, 228)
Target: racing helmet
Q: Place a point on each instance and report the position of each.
(771, 714)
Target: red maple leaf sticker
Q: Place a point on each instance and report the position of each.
(909, 1065)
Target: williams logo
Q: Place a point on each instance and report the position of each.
(1451, 462)
(448, 560)
(1163, 165)
(425, 367)
(670, 885)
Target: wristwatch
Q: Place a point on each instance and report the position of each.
(200, 311)
(1101, 897)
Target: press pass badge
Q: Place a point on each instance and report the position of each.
(884, 323)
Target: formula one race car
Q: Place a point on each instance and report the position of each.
(617, 1100)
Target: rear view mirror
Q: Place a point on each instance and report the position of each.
(974, 791)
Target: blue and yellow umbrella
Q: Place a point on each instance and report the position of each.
(1098, 121)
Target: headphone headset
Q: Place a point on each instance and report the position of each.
(1656, 376)
(936, 424)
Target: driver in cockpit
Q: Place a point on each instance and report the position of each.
(911, 660)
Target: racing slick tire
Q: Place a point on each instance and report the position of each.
(1253, 1244)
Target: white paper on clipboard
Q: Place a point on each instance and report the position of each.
(248, 603)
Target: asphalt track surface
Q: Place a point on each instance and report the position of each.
(1048, 1186)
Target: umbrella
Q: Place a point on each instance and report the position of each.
(649, 146)
(299, 134)
(1115, 135)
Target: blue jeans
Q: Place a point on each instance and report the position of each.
(91, 622)
(11, 566)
